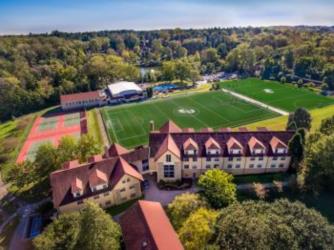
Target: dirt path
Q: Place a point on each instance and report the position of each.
(103, 129)
(258, 103)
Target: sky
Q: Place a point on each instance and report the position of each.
(39, 16)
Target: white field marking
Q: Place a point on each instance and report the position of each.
(269, 91)
(212, 111)
(112, 130)
(261, 104)
(193, 116)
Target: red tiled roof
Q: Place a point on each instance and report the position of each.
(188, 130)
(146, 224)
(234, 144)
(277, 143)
(76, 185)
(211, 144)
(225, 129)
(226, 140)
(117, 150)
(190, 144)
(95, 158)
(206, 130)
(168, 145)
(71, 164)
(80, 97)
(243, 129)
(62, 180)
(170, 127)
(97, 178)
(263, 129)
(254, 143)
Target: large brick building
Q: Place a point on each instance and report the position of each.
(109, 179)
(173, 153)
(83, 100)
(177, 153)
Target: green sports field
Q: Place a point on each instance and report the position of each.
(283, 96)
(129, 124)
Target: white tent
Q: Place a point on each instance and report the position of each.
(120, 89)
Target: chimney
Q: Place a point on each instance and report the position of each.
(152, 125)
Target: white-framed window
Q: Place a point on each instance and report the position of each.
(229, 166)
(259, 166)
(169, 171)
(237, 166)
(168, 158)
(186, 166)
(251, 165)
(273, 166)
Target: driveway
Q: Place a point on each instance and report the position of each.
(153, 193)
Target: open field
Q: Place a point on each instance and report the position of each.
(129, 124)
(279, 123)
(283, 96)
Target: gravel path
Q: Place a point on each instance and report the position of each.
(258, 103)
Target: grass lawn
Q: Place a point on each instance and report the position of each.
(260, 178)
(93, 126)
(279, 123)
(115, 210)
(129, 124)
(283, 96)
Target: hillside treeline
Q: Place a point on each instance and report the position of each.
(36, 69)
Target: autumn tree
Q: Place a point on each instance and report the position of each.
(182, 206)
(217, 187)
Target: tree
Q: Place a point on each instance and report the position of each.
(198, 229)
(319, 164)
(97, 229)
(62, 233)
(67, 149)
(218, 187)
(88, 229)
(278, 225)
(182, 206)
(296, 149)
(327, 126)
(46, 159)
(301, 118)
(289, 59)
(87, 146)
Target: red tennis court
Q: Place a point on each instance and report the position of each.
(51, 128)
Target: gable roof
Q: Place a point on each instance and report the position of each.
(97, 177)
(117, 150)
(233, 143)
(61, 180)
(168, 145)
(277, 143)
(254, 143)
(226, 139)
(190, 144)
(146, 224)
(170, 127)
(212, 144)
(124, 168)
(76, 185)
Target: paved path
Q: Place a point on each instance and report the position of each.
(249, 186)
(153, 193)
(253, 101)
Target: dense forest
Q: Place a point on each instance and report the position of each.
(36, 69)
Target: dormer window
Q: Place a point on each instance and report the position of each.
(256, 147)
(190, 147)
(77, 187)
(98, 180)
(234, 147)
(212, 147)
(277, 146)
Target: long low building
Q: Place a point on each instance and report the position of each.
(177, 153)
(83, 100)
